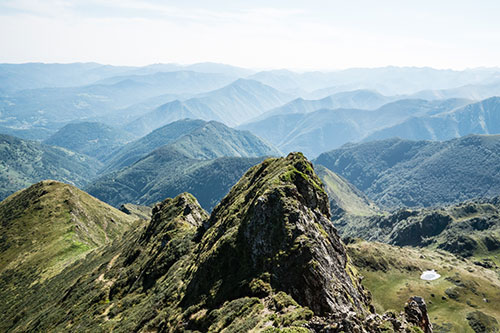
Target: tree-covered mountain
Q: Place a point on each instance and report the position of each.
(165, 173)
(319, 131)
(90, 138)
(232, 105)
(397, 172)
(23, 163)
(267, 259)
(204, 158)
(32, 133)
(135, 150)
(195, 139)
(470, 228)
(478, 118)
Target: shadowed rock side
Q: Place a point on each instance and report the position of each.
(267, 259)
(274, 225)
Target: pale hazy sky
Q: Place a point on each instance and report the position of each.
(313, 34)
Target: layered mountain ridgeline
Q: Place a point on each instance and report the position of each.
(166, 173)
(23, 163)
(477, 118)
(398, 172)
(478, 91)
(39, 75)
(316, 132)
(232, 105)
(267, 259)
(357, 99)
(389, 81)
(54, 107)
(44, 229)
(195, 139)
(204, 158)
(464, 299)
(32, 133)
(90, 138)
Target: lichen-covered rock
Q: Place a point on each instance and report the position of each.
(416, 313)
(275, 222)
(481, 322)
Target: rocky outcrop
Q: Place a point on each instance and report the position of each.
(275, 223)
(414, 232)
(416, 313)
(267, 258)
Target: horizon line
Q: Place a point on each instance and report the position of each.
(261, 69)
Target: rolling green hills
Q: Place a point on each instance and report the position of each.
(461, 242)
(396, 172)
(23, 163)
(90, 138)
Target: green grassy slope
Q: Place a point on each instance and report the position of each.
(344, 197)
(45, 228)
(391, 273)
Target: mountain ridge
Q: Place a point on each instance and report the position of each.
(397, 172)
(24, 162)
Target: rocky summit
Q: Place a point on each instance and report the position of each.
(267, 259)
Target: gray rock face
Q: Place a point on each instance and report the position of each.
(275, 222)
(416, 313)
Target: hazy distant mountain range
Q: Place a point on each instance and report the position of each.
(325, 129)
(90, 138)
(36, 98)
(232, 105)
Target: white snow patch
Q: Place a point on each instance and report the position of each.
(430, 275)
